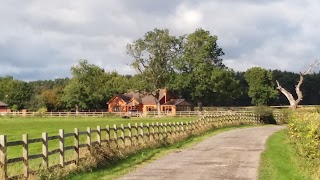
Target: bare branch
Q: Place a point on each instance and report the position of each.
(313, 65)
(292, 101)
(286, 93)
(298, 91)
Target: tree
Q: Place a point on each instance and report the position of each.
(261, 88)
(51, 99)
(224, 86)
(200, 54)
(153, 55)
(86, 88)
(294, 102)
(15, 92)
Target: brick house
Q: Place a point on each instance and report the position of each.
(136, 101)
(3, 107)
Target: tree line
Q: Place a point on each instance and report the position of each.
(189, 65)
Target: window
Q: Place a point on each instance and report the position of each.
(116, 109)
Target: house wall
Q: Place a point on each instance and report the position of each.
(117, 105)
(3, 109)
(139, 108)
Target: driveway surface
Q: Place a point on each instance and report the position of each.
(233, 154)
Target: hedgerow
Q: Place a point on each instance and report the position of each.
(304, 134)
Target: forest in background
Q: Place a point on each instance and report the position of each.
(190, 66)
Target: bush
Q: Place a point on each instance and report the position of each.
(41, 112)
(304, 134)
(304, 131)
(265, 113)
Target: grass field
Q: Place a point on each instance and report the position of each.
(280, 161)
(14, 127)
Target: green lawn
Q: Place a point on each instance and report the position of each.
(280, 161)
(14, 127)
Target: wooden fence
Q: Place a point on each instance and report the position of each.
(120, 114)
(141, 132)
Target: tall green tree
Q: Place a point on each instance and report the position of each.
(200, 55)
(224, 86)
(261, 87)
(85, 90)
(153, 55)
(15, 92)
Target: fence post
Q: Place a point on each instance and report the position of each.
(148, 128)
(108, 133)
(25, 155)
(61, 145)
(89, 138)
(45, 161)
(136, 128)
(141, 130)
(165, 129)
(152, 130)
(115, 136)
(99, 135)
(122, 135)
(3, 156)
(76, 146)
(129, 133)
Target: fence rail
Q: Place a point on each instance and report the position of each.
(120, 114)
(124, 135)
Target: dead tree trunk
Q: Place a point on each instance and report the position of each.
(294, 102)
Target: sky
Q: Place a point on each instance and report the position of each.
(41, 40)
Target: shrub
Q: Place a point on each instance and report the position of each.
(304, 131)
(304, 134)
(265, 113)
(41, 111)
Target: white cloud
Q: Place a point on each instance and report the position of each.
(42, 39)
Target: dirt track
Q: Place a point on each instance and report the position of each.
(230, 155)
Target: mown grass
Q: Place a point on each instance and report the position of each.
(14, 127)
(143, 157)
(280, 161)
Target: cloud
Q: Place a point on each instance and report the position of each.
(42, 39)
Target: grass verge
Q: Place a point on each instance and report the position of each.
(145, 156)
(280, 161)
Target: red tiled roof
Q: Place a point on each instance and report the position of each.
(140, 98)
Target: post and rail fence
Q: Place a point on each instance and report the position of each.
(121, 114)
(115, 134)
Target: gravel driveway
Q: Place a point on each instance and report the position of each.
(230, 155)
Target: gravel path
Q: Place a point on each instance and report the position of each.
(230, 155)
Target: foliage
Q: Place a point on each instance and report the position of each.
(263, 110)
(265, 113)
(224, 86)
(261, 87)
(153, 55)
(14, 108)
(14, 92)
(42, 110)
(90, 87)
(304, 131)
(198, 66)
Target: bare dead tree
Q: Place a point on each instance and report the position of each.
(294, 102)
